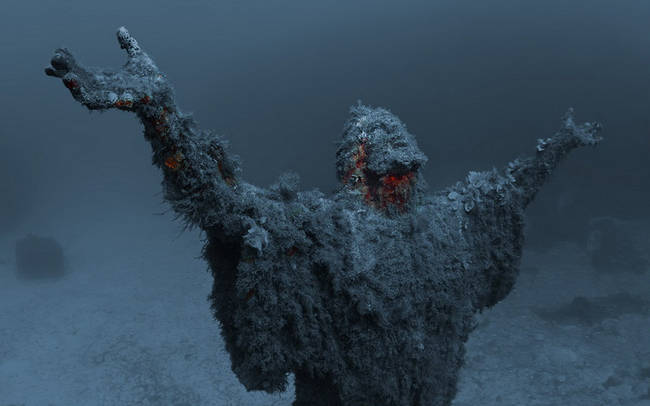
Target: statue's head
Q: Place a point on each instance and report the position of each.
(378, 159)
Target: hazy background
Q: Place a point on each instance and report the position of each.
(477, 82)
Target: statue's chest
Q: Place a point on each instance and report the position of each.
(415, 252)
(383, 256)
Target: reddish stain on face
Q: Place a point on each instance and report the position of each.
(396, 189)
(391, 189)
(356, 175)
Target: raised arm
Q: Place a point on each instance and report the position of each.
(484, 214)
(200, 178)
(529, 174)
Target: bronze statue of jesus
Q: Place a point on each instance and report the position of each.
(367, 295)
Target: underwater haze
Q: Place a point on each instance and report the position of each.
(126, 320)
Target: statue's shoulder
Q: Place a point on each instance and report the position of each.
(479, 191)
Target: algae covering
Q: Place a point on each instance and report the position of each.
(368, 295)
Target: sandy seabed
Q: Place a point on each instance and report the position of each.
(129, 324)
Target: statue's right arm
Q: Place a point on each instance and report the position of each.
(201, 180)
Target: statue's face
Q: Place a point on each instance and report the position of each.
(379, 158)
(379, 189)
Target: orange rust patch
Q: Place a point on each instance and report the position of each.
(397, 181)
(123, 103)
(174, 162)
(145, 100)
(355, 173)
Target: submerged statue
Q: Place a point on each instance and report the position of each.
(368, 295)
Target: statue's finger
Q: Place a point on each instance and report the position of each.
(127, 42)
(52, 72)
(60, 61)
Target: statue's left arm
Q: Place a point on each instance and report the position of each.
(488, 211)
(529, 174)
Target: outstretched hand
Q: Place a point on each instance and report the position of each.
(194, 161)
(585, 133)
(99, 89)
(571, 135)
